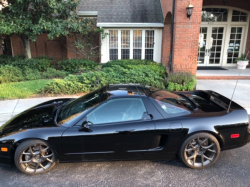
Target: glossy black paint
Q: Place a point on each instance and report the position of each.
(154, 137)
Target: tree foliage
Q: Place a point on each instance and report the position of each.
(29, 18)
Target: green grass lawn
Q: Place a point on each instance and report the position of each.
(20, 90)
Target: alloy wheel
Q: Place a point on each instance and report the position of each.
(36, 158)
(200, 152)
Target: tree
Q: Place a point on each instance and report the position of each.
(29, 18)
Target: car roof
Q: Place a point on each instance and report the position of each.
(122, 90)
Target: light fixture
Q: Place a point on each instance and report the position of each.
(189, 8)
(224, 1)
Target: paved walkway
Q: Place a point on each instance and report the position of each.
(231, 71)
(9, 108)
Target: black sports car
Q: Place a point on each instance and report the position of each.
(124, 122)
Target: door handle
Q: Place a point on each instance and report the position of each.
(125, 131)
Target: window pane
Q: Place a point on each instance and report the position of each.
(234, 44)
(149, 45)
(137, 54)
(137, 39)
(125, 44)
(137, 44)
(113, 54)
(118, 110)
(113, 44)
(74, 108)
(239, 16)
(125, 53)
(149, 53)
(173, 105)
(214, 15)
(149, 39)
(113, 39)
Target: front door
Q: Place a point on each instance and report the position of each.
(211, 45)
(118, 129)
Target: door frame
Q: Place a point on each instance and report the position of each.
(228, 26)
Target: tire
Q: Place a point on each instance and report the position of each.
(34, 157)
(199, 151)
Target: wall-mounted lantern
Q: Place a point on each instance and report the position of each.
(224, 1)
(189, 8)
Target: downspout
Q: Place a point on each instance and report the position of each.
(172, 37)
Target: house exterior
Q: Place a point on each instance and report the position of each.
(216, 33)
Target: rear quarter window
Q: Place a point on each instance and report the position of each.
(171, 105)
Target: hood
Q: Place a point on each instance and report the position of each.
(39, 116)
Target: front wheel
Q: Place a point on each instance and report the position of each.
(200, 150)
(34, 157)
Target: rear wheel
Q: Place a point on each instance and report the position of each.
(34, 157)
(200, 150)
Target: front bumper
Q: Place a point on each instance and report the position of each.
(6, 158)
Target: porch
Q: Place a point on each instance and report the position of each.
(229, 73)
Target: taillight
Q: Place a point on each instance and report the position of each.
(235, 135)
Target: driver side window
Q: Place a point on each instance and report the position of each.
(118, 110)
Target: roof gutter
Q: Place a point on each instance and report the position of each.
(123, 25)
(172, 38)
(87, 13)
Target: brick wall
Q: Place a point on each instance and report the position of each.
(43, 46)
(72, 52)
(166, 34)
(186, 35)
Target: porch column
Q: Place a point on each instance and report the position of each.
(186, 36)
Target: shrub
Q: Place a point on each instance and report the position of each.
(138, 64)
(62, 86)
(77, 65)
(39, 63)
(180, 77)
(31, 74)
(143, 75)
(180, 81)
(53, 73)
(7, 59)
(10, 74)
(93, 80)
(110, 75)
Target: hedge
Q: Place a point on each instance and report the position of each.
(77, 65)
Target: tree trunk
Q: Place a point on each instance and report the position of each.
(26, 46)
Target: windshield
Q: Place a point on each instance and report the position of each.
(70, 111)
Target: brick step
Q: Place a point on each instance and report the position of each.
(223, 77)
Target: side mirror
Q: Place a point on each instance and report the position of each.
(85, 126)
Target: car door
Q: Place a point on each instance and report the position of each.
(169, 131)
(120, 128)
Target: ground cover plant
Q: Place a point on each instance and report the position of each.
(20, 90)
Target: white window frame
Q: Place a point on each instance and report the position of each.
(157, 43)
